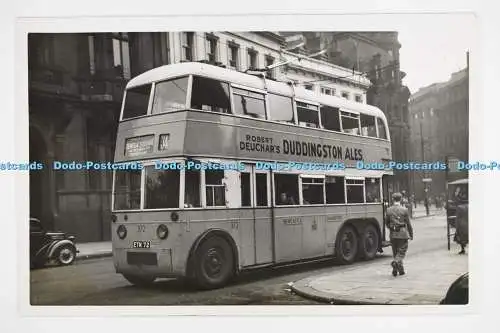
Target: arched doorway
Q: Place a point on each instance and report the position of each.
(39, 183)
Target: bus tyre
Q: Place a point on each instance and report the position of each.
(139, 280)
(346, 246)
(369, 242)
(214, 263)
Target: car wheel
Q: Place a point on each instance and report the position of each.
(140, 280)
(214, 263)
(369, 242)
(346, 245)
(65, 255)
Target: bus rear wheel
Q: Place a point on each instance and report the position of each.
(214, 263)
(346, 247)
(140, 280)
(369, 243)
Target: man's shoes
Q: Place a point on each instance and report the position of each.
(461, 252)
(394, 268)
(401, 269)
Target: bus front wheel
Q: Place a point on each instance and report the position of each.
(214, 263)
(346, 249)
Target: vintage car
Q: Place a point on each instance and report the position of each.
(47, 247)
(458, 199)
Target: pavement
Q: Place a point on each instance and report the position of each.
(428, 276)
(93, 250)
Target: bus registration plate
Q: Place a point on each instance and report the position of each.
(141, 244)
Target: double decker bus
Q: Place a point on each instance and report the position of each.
(234, 171)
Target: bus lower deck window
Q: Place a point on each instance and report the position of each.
(214, 188)
(127, 190)
(313, 191)
(192, 189)
(261, 189)
(355, 191)
(245, 190)
(372, 188)
(334, 188)
(286, 189)
(162, 188)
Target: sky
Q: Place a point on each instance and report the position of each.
(433, 48)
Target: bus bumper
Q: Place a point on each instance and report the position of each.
(158, 263)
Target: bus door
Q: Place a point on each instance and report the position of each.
(262, 215)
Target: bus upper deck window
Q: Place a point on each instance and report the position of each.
(280, 108)
(350, 122)
(170, 95)
(136, 101)
(368, 126)
(330, 118)
(210, 95)
(307, 115)
(381, 129)
(248, 103)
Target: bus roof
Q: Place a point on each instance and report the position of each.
(251, 81)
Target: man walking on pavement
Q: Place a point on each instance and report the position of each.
(398, 222)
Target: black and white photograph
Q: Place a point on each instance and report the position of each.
(249, 167)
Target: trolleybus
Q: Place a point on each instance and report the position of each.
(233, 171)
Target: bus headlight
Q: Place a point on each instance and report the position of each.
(121, 231)
(162, 231)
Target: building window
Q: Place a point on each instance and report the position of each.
(187, 46)
(212, 48)
(121, 54)
(252, 59)
(308, 87)
(358, 98)
(287, 189)
(233, 56)
(327, 91)
(160, 48)
(162, 188)
(210, 95)
(280, 108)
(271, 72)
(214, 188)
(247, 103)
(345, 95)
(91, 41)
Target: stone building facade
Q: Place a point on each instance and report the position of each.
(440, 129)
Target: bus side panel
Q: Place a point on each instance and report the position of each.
(263, 236)
(334, 217)
(375, 211)
(313, 232)
(288, 234)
